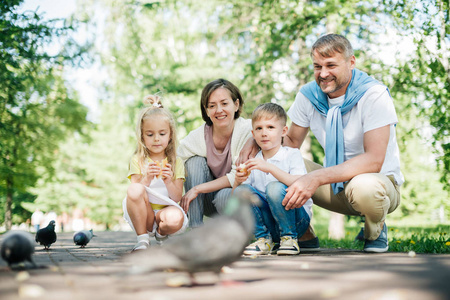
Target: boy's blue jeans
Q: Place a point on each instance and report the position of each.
(272, 219)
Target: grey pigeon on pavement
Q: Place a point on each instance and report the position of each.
(17, 247)
(46, 236)
(219, 242)
(83, 237)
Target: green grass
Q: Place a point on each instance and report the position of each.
(423, 239)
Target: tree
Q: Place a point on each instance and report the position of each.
(36, 109)
(176, 47)
(425, 75)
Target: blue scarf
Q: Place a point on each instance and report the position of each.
(334, 143)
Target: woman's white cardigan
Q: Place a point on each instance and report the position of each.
(194, 143)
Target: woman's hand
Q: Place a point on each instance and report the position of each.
(249, 150)
(188, 197)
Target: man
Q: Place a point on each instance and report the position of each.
(353, 118)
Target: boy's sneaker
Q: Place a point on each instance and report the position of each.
(379, 245)
(288, 246)
(262, 246)
(141, 245)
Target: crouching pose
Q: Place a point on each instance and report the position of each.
(268, 175)
(157, 176)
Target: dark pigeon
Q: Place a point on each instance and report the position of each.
(219, 242)
(46, 236)
(17, 247)
(83, 237)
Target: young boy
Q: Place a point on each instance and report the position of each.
(268, 175)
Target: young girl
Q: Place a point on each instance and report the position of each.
(156, 176)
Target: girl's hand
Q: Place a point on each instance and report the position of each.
(166, 173)
(188, 197)
(258, 164)
(152, 171)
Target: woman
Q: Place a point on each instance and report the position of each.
(210, 151)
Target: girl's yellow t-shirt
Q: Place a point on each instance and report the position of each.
(134, 168)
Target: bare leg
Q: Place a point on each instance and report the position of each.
(139, 209)
(169, 219)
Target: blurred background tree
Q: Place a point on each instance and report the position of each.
(175, 47)
(37, 110)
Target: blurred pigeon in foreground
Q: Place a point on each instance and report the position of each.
(17, 247)
(46, 236)
(83, 237)
(217, 243)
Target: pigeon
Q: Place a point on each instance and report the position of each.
(83, 237)
(46, 236)
(17, 247)
(219, 242)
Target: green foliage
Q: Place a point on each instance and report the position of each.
(36, 111)
(425, 239)
(174, 48)
(91, 172)
(424, 77)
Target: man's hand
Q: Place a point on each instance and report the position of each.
(300, 191)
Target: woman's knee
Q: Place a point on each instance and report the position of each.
(197, 172)
(195, 163)
(221, 199)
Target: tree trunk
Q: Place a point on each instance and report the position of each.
(8, 210)
(305, 149)
(336, 226)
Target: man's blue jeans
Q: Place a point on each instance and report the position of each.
(272, 219)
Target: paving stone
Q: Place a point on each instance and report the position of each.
(67, 271)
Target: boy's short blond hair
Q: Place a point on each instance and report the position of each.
(268, 111)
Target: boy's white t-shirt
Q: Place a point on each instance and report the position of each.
(374, 110)
(289, 160)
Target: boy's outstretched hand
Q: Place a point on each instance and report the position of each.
(258, 164)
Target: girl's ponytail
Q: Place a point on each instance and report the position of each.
(152, 100)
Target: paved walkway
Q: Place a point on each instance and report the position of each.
(94, 272)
